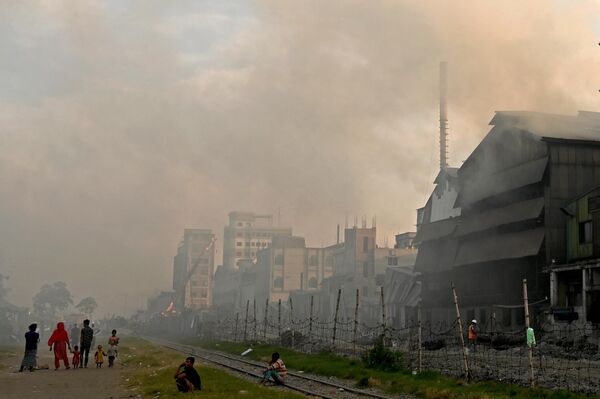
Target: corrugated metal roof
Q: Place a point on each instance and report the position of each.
(500, 246)
(503, 181)
(583, 126)
(520, 211)
(436, 230)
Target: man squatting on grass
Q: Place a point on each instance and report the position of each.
(187, 378)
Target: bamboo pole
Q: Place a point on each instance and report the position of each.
(237, 319)
(461, 336)
(266, 319)
(420, 338)
(254, 318)
(335, 317)
(530, 347)
(246, 323)
(355, 323)
(292, 321)
(383, 326)
(279, 318)
(310, 324)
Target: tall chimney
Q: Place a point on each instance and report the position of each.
(443, 118)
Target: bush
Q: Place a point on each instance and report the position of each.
(381, 358)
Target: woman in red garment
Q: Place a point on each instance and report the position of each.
(60, 340)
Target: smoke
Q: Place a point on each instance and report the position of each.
(124, 124)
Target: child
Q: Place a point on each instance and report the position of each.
(99, 356)
(276, 370)
(76, 357)
(112, 354)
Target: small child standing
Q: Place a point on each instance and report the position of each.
(76, 357)
(99, 356)
(112, 354)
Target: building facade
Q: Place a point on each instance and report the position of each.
(193, 269)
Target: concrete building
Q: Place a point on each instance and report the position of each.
(287, 266)
(246, 234)
(193, 269)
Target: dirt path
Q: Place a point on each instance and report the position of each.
(89, 383)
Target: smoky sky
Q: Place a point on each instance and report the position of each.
(122, 123)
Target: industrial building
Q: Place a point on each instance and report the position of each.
(511, 193)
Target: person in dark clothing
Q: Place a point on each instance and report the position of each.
(32, 338)
(85, 341)
(74, 335)
(187, 378)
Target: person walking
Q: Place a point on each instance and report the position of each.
(74, 335)
(32, 338)
(472, 335)
(59, 341)
(85, 342)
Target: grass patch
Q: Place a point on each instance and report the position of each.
(428, 384)
(148, 371)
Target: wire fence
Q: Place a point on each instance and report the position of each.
(565, 355)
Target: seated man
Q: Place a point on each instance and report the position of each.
(187, 378)
(276, 370)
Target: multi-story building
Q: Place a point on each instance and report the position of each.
(246, 234)
(193, 269)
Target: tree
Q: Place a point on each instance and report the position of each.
(87, 305)
(51, 299)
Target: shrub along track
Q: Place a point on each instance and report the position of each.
(307, 385)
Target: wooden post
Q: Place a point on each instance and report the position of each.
(310, 324)
(335, 317)
(292, 321)
(246, 324)
(461, 336)
(355, 323)
(279, 318)
(237, 319)
(266, 319)
(254, 317)
(530, 347)
(420, 343)
(383, 327)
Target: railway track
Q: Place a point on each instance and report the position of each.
(308, 385)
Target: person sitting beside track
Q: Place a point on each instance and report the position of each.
(187, 378)
(276, 370)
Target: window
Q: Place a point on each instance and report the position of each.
(365, 244)
(278, 282)
(392, 261)
(365, 269)
(329, 261)
(585, 232)
(239, 243)
(203, 293)
(238, 254)
(313, 260)
(312, 282)
(240, 224)
(279, 259)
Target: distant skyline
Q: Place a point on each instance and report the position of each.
(123, 123)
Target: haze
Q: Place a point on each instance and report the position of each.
(122, 123)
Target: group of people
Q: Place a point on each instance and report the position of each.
(62, 344)
(187, 378)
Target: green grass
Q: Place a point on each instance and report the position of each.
(429, 385)
(148, 370)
